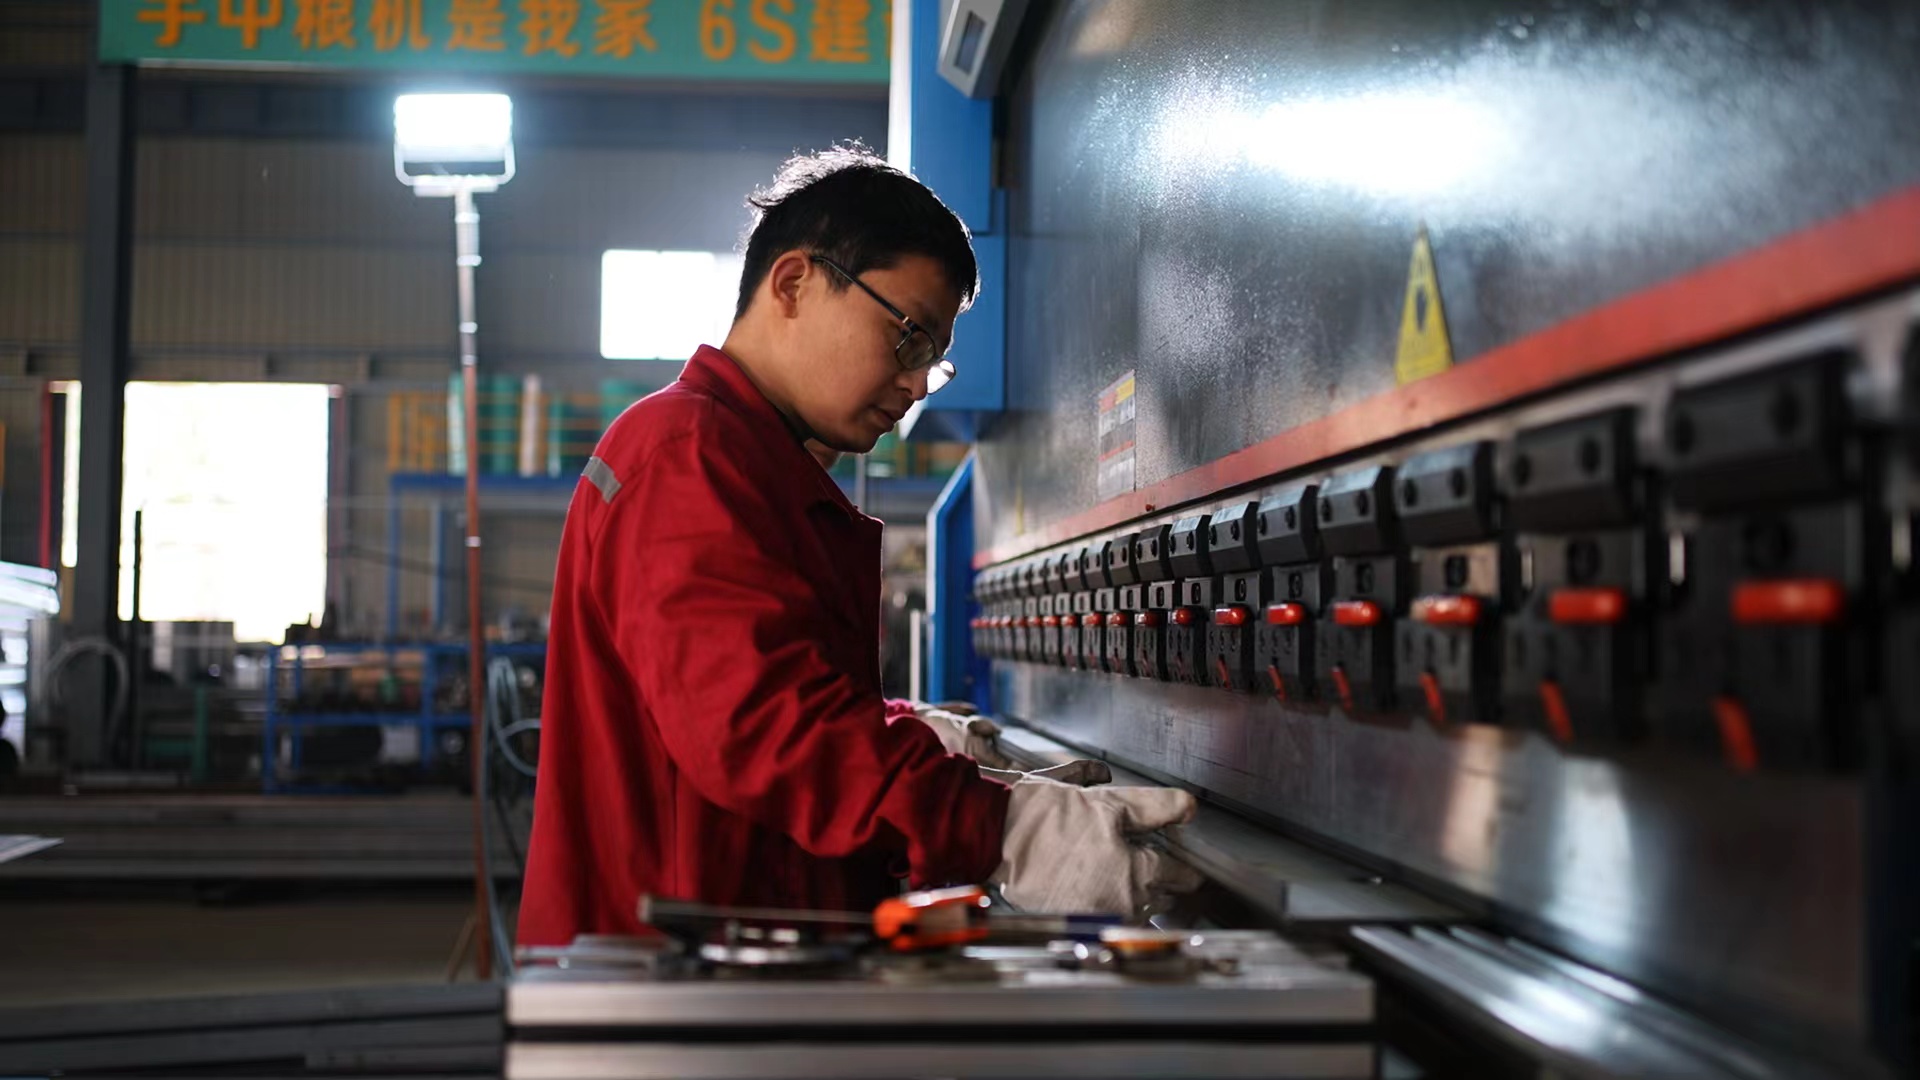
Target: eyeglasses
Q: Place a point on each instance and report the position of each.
(917, 350)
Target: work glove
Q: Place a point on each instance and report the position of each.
(1077, 851)
(974, 736)
(1080, 772)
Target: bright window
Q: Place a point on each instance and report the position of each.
(233, 481)
(661, 305)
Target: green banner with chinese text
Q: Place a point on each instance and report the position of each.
(839, 41)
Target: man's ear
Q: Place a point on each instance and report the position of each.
(784, 279)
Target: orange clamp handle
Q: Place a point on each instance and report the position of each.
(1231, 615)
(935, 919)
(1049, 621)
(1788, 602)
(1446, 610)
(1736, 734)
(1286, 614)
(1436, 699)
(1147, 618)
(1587, 607)
(1185, 616)
(1089, 620)
(1117, 618)
(1343, 687)
(1356, 613)
(1554, 704)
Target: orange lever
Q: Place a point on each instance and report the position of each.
(1587, 607)
(1736, 734)
(1344, 688)
(932, 920)
(1805, 600)
(1231, 615)
(1446, 610)
(1436, 700)
(1286, 615)
(1554, 704)
(1356, 613)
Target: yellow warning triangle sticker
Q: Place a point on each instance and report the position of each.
(1424, 349)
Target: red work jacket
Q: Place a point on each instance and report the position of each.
(713, 727)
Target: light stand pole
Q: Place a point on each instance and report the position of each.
(460, 145)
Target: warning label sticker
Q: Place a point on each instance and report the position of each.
(1424, 349)
(1114, 474)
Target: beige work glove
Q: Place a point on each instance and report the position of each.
(974, 736)
(1080, 772)
(1074, 850)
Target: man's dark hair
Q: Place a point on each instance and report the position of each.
(854, 208)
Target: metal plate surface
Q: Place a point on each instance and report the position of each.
(1223, 197)
(1574, 1021)
(1189, 1058)
(1301, 993)
(1751, 898)
(19, 847)
(1664, 871)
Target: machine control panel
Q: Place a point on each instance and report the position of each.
(1153, 602)
(1449, 645)
(1709, 568)
(1576, 650)
(1126, 604)
(1358, 528)
(1194, 592)
(1232, 547)
(1294, 586)
(1758, 658)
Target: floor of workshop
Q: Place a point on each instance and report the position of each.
(105, 944)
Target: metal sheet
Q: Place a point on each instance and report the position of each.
(1745, 897)
(19, 847)
(1303, 993)
(274, 1043)
(887, 1061)
(1563, 1019)
(1666, 871)
(116, 1019)
(1222, 198)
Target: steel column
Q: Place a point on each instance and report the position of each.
(106, 280)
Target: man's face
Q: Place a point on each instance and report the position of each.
(848, 387)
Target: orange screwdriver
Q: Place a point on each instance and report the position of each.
(930, 919)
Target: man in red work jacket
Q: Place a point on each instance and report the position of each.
(713, 727)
